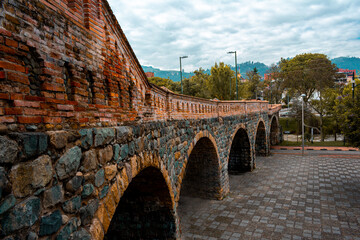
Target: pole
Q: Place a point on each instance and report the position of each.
(182, 92)
(302, 124)
(288, 101)
(236, 77)
(353, 88)
(230, 90)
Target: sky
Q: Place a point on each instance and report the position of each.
(160, 31)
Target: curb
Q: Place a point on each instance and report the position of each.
(315, 148)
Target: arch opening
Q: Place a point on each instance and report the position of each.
(202, 176)
(240, 153)
(260, 142)
(145, 211)
(274, 131)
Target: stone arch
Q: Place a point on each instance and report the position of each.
(139, 205)
(274, 130)
(200, 174)
(261, 147)
(240, 156)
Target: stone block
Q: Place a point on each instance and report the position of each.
(104, 192)
(81, 234)
(25, 214)
(87, 212)
(96, 229)
(116, 152)
(90, 161)
(58, 139)
(27, 177)
(69, 228)
(74, 184)
(103, 136)
(105, 155)
(124, 152)
(87, 190)
(131, 148)
(69, 163)
(86, 138)
(33, 143)
(8, 150)
(32, 236)
(53, 196)
(50, 223)
(123, 134)
(110, 172)
(4, 183)
(99, 178)
(7, 203)
(72, 205)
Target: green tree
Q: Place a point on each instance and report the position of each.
(197, 85)
(244, 90)
(273, 85)
(348, 111)
(308, 73)
(219, 82)
(166, 82)
(254, 83)
(324, 106)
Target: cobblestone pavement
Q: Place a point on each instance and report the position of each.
(287, 197)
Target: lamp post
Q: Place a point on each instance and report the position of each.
(302, 122)
(181, 73)
(236, 77)
(353, 87)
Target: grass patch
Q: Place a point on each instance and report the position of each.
(315, 144)
(289, 124)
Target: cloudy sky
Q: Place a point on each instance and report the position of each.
(160, 31)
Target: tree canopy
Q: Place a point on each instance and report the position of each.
(307, 73)
(219, 82)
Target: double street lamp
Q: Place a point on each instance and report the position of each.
(182, 92)
(237, 90)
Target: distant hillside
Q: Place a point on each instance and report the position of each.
(175, 75)
(171, 74)
(347, 62)
(341, 62)
(249, 66)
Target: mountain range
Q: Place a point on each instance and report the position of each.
(341, 62)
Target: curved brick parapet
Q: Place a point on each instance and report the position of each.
(66, 72)
(84, 136)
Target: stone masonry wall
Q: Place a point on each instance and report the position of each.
(59, 183)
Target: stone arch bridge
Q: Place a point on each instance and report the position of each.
(89, 149)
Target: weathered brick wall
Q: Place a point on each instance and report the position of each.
(68, 65)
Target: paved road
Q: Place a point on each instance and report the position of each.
(287, 197)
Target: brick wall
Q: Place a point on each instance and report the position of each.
(68, 65)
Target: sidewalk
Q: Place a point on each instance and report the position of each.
(316, 148)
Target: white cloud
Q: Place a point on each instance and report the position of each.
(260, 30)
